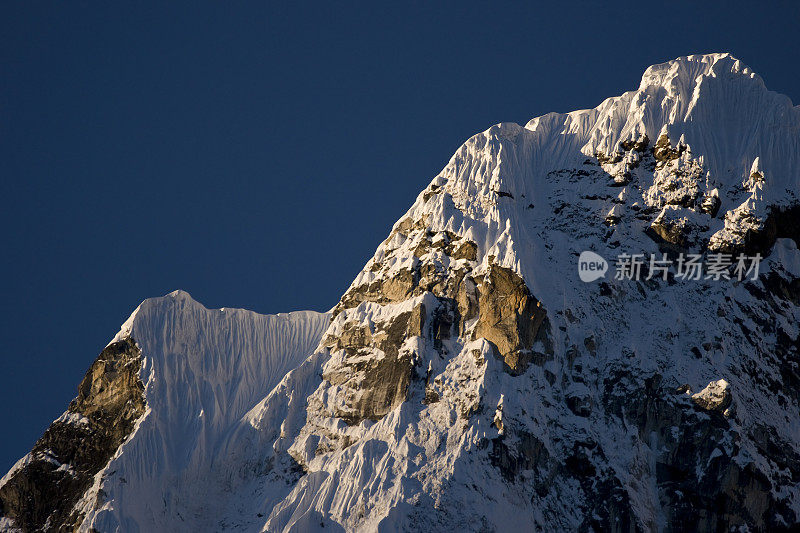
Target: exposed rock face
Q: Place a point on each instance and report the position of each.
(389, 284)
(509, 317)
(681, 205)
(753, 234)
(715, 397)
(375, 372)
(679, 226)
(710, 203)
(700, 486)
(41, 494)
(379, 359)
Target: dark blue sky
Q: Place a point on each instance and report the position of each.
(255, 155)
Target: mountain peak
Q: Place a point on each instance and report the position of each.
(688, 70)
(470, 378)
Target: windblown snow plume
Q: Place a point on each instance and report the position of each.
(469, 379)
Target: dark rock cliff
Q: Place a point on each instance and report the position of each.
(43, 493)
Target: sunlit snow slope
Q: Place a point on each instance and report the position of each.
(193, 453)
(203, 371)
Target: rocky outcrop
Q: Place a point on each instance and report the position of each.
(694, 463)
(680, 203)
(710, 203)
(701, 484)
(751, 234)
(664, 152)
(679, 227)
(427, 275)
(375, 374)
(509, 317)
(41, 494)
(715, 397)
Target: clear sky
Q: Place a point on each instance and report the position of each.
(255, 154)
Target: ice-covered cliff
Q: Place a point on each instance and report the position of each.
(159, 437)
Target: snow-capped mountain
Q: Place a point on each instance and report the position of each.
(161, 435)
(468, 379)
